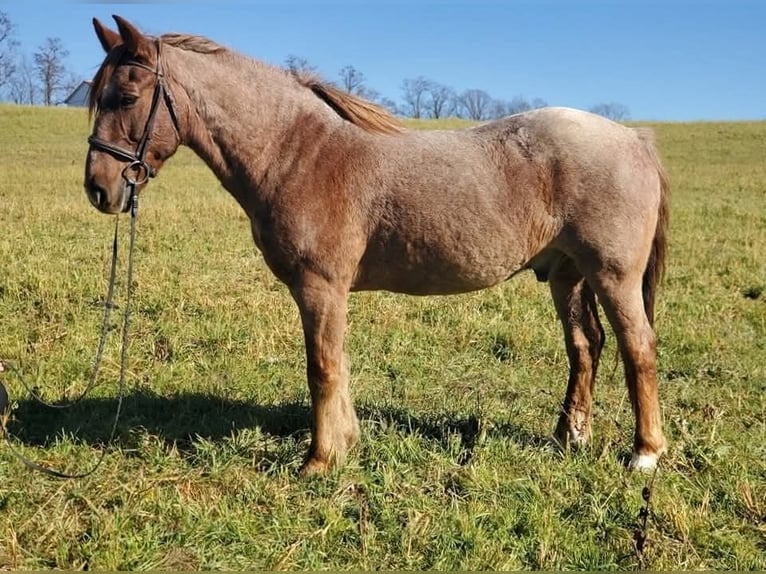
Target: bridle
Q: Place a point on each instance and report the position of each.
(138, 170)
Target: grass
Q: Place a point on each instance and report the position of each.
(456, 395)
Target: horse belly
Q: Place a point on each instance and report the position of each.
(457, 260)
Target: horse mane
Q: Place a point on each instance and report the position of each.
(360, 112)
(192, 43)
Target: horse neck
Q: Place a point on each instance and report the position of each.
(239, 116)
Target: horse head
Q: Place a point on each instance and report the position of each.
(136, 126)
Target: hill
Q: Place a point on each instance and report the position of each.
(456, 395)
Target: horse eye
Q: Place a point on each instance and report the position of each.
(127, 100)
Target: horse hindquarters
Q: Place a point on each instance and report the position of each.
(626, 287)
(615, 235)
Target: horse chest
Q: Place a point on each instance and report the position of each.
(279, 260)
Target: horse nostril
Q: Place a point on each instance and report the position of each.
(96, 194)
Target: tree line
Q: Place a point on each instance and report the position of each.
(45, 79)
(423, 97)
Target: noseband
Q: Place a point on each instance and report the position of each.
(138, 170)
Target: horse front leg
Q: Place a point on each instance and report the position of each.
(335, 428)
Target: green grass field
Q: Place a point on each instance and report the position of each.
(457, 396)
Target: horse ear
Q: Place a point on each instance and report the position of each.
(108, 38)
(134, 41)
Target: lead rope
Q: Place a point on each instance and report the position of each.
(32, 465)
(109, 305)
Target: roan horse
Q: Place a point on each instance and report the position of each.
(342, 198)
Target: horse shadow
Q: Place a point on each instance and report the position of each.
(182, 419)
(175, 419)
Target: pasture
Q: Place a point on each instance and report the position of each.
(457, 396)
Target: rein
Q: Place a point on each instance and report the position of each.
(4, 409)
(136, 173)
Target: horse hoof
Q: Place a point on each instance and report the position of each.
(313, 467)
(570, 439)
(643, 462)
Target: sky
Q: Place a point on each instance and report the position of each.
(672, 60)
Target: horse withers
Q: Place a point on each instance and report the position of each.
(342, 198)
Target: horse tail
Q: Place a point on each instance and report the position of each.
(655, 267)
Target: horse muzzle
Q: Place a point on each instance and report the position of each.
(105, 200)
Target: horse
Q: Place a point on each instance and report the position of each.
(341, 197)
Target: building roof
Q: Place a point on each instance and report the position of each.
(79, 96)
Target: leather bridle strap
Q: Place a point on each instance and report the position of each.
(138, 170)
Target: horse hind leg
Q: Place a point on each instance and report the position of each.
(620, 294)
(576, 307)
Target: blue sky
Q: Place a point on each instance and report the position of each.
(674, 60)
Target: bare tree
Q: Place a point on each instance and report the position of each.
(23, 87)
(49, 64)
(440, 100)
(390, 105)
(370, 94)
(475, 104)
(8, 47)
(518, 104)
(352, 80)
(297, 65)
(70, 82)
(499, 109)
(414, 94)
(612, 110)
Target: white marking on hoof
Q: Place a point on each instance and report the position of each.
(643, 462)
(578, 438)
